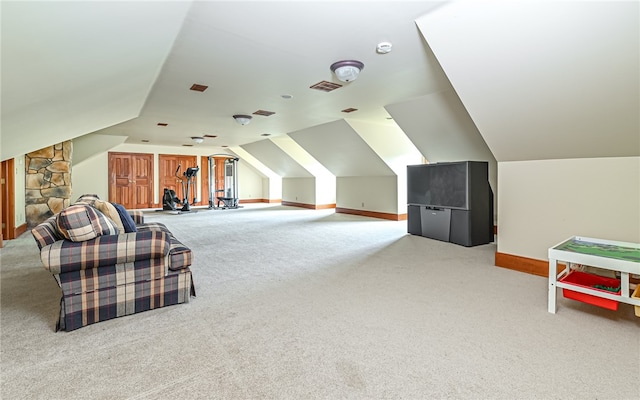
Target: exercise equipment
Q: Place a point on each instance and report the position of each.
(170, 200)
(228, 195)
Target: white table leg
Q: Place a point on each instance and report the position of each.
(553, 271)
(624, 283)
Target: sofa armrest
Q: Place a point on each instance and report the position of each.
(66, 256)
(137, 216)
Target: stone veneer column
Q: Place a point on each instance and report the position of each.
(48, 182)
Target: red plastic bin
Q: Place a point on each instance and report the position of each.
(583, 279)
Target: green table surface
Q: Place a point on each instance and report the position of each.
(601, 250)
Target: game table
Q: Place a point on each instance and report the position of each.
(623, 257)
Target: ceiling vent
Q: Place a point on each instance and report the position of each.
(198, 88)
(325, 86)
(264, 113)
(162, 124)
(187, 145)
(349, 110)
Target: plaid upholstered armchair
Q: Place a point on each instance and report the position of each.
(109, 263)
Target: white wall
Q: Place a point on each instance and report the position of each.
(20, 202)
(250, 182)
(299, 190)
(92, 174)
(325, 190)
(542, 203)
(377, 193)
(272, 188)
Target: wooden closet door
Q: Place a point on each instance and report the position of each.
(204, 179)
(7, 202)
(143, 180)
(167, 173)
(131, 179)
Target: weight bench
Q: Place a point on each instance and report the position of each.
(229, 202)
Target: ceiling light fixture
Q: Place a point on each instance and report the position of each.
(347, 70)
(197, 139)
(242, 119)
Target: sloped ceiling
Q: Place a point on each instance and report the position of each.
(544, 80)
(338, 147)
(441, 128)
(70, 68)
(276, 159)
(538, 80)
(120, 68)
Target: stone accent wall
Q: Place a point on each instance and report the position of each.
(48, 182)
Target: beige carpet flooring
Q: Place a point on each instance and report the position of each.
(308, 304)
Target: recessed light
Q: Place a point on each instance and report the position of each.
(162, 124)
(286, 96)
(266, 134)
(224, 145)
(145, 141)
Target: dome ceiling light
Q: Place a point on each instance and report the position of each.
(197, 139)
(347, 70)
(242, 119)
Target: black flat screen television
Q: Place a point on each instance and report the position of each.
(442, 185)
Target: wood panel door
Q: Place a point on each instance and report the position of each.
(7, 200)
(204, 179)
(167, 174)
(131, 179)
(219, 176)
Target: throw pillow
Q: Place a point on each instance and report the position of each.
(81, 222)
(87, 199)
(110, 211)
(127, 221)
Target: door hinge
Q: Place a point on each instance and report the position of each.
(2, 181)
(4, 225)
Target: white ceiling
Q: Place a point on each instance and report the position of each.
(248, 53)
(536, 79)
(544, 80)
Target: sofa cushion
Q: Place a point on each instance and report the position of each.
(110, 211)
(81, 222)
(128, 222)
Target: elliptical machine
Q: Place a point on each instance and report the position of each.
(170, 201)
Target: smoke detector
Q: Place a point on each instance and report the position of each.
(383, 47)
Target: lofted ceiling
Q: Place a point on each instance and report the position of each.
(249, 54)
(524, 80)
(544, 80)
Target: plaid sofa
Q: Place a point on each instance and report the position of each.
(111, 275)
